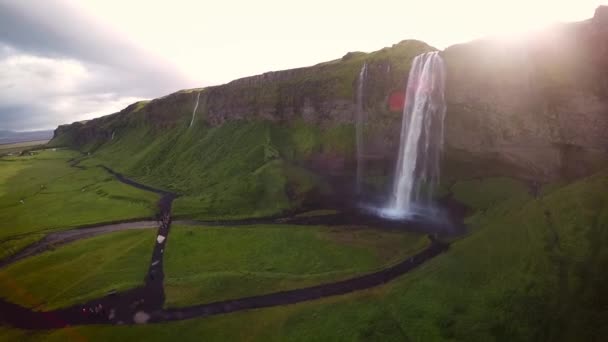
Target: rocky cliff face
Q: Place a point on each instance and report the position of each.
(323, 94)
(540, 104)
(531, 108)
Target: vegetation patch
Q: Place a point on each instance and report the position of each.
(238, 169)
(522, 275)
(483, 193)
(13, 245)
(205, 264)
(79, 271)
(315, 213)
(43, 192)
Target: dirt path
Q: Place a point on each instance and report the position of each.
(145, 303)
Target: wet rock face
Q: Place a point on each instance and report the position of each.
(532, 102)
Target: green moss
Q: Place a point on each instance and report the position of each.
(238, 169)
(481, 194)
(300, 140)
(315, 213)
(13, 245)
(140, 105)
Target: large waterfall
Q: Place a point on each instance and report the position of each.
(417, 169)
(359, 126)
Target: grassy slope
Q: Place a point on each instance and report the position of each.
(522, 275)
(481, 194)
(210, 264)
(76, 272)
(237, 169)
(58, 196)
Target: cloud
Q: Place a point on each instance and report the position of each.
(58, 65)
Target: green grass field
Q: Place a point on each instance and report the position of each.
(522, 259)
(319, 212)
(12, 245)
(209, 264)
(79, 271)
(531, 270)
(42, 192)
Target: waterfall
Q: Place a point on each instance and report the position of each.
(359, 126)
(417, 169)
(113, 132)
(198, 95)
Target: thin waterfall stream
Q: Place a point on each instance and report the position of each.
(198, 95)
(359, 127)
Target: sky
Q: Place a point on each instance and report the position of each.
(68, 60)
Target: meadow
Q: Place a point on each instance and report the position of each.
(206, 264)
(43, 192)
(79, 271)
(524, 258)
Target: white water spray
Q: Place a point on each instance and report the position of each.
(417, 170)
(359, 126)
(198, 95)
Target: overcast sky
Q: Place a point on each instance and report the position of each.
(68, 60)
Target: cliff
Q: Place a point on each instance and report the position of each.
(534, 108)
(539, 103)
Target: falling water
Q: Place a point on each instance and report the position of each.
(359, 126)
(113, 132)
(417, 170)
(198, 95)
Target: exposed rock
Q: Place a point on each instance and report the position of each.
(535, 108)
(531, 103)
(141, 317)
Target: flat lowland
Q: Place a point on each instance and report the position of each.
(206, 264)
(525, 257)
(43, 192)
(20, 146)
(79, 271)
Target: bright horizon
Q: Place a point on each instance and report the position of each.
(104, 55)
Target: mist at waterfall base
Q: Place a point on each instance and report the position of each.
(417, 169)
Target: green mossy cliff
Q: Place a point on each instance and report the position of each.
(531, 109)
(259, 145)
